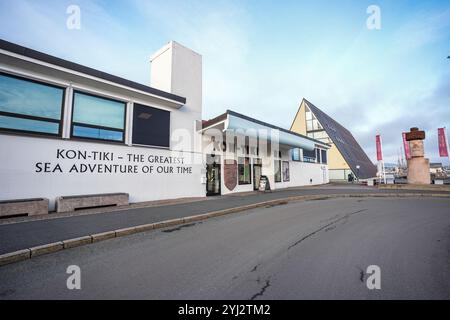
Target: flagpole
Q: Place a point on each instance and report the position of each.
(446, 142)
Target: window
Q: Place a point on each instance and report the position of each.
(308, 114)
(277, 170)
(151, 126)
(286, 174)
(295, 154)
(98, 118)
(324, 156)
(318, 155)
(30, 106)
(244, 170)
(309, 155)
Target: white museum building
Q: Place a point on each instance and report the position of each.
(70, 130)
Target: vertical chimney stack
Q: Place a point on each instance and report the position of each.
(178, 70)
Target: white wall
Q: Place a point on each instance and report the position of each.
(302, 172)
(19, 176)
(19, 155)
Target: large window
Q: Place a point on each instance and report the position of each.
(277, 170)
(309, 155)
(98, 118)
(244, 170)
(151, 126)
(311, 121)
(30, 106)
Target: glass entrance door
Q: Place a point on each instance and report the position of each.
(257, 172)
(213, 175)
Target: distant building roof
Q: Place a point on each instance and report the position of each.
(30, 53)
(346, 144)
(223, 116)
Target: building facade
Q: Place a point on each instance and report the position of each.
(66, 129)
(239, 150)
(345, 155)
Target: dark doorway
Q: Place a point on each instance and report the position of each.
(257, 172)
(212, 175)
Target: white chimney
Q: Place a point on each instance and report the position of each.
(178, 70)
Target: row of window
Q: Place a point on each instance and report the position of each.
(34, 107)
(281, 170)
(313, 156)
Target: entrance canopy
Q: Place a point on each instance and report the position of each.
(242, 125)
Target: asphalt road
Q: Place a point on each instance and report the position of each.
(301, 250)
(28, 234)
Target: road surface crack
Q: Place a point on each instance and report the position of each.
(263, 289)
(324, 227)
(254, 268)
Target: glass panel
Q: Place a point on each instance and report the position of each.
(97, 133)
(309, 156)
(324, 156)
(244, 170)
(256, 176)
(296, 154)
(315, 125)
(28, 125)
(30, 98)
(308, 114)
(277, 170)
(98, 111)
(151, 126)
(286, 174)
(213, 179)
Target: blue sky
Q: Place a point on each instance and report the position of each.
(262, 57)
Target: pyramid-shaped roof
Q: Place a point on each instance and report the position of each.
(347, 145)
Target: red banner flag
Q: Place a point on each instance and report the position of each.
(379, 152)
(406, 147)
(442, 139)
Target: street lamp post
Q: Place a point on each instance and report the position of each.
(357, 172)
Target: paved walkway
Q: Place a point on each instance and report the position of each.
(23, 235)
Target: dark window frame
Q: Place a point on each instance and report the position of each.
(60, 122)
(323, 152)
(151, 145)
(249, 171)
(308, 156)
(85, 125)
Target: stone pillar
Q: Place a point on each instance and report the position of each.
(418, 165)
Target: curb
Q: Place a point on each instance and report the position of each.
(29, 253)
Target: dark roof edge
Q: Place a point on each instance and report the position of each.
(308, 102)
(30, 53)
(234, 113)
